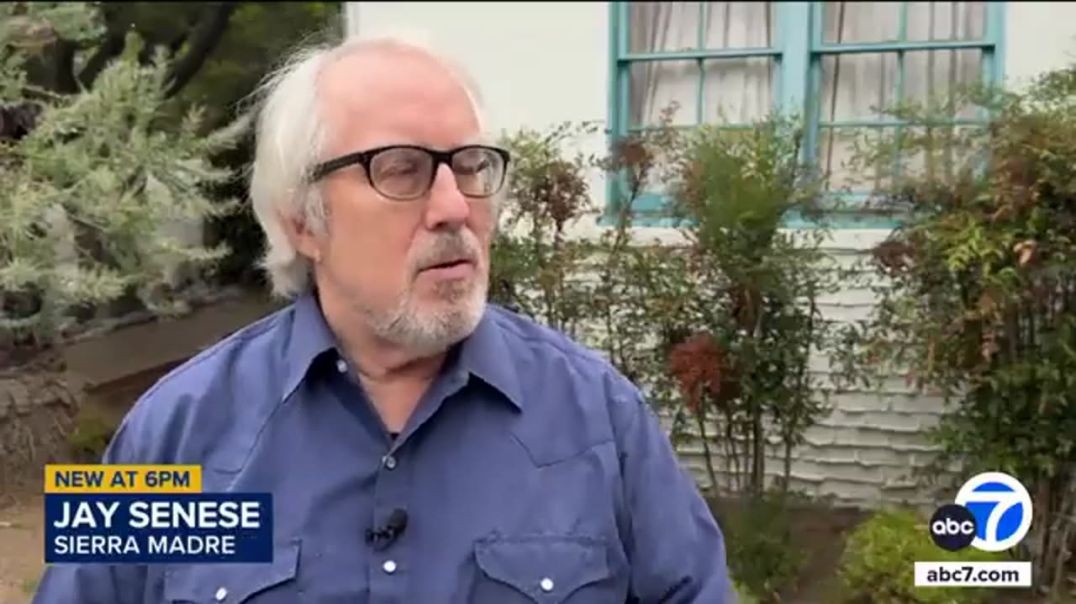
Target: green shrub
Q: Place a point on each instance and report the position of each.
(878, 564)
(762, 557)
(744, 595)
(975, 294)
(90, 436)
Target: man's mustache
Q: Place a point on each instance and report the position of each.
(448, 248)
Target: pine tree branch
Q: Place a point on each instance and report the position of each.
(207, 35)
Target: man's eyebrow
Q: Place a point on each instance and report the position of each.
(478, 139)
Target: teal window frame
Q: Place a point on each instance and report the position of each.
(798, 52)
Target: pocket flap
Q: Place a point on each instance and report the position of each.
(546, 568)
(232, 582)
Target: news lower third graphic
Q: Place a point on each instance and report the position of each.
(991, 513)
(141, 514)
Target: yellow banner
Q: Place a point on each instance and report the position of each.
(139, 478)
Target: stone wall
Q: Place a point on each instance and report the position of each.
(37, 411)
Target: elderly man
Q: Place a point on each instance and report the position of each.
(421, 446)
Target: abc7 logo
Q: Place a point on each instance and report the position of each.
(992, 512)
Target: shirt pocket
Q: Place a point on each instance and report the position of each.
(236, 583)
(546, 569)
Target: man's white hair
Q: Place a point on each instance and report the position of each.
(290, 138)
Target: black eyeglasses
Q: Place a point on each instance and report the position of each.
(407, 172)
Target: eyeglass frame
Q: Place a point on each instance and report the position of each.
(365, 158)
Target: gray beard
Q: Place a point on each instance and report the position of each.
(427, 332)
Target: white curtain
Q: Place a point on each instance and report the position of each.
(738, 90)
(854, 86)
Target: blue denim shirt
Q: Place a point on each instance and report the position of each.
(531, 471)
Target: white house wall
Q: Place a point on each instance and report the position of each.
(540, 64)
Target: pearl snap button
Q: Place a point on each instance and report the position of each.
(221, 594)
(546, 584)
(341, 366)
(390, 462)
(389, 566)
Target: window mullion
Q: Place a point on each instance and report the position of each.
(794, 35)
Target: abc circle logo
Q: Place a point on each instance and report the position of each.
(992, 512)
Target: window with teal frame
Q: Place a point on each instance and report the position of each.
(836, 63)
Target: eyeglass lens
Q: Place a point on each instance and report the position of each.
(406, 173)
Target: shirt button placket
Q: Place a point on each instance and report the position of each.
(388, 581)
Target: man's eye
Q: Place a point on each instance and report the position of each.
(472, 168)
(399, 169)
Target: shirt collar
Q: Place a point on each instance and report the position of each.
(486, 355)
(483, 354)
(310, 337)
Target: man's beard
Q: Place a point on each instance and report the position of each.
(428, 328)
(425, 329)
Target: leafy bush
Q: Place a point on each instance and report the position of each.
(878, 564)
(977, 296)
(751, 319)
(763, 559)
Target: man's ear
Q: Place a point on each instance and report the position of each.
(305, 241)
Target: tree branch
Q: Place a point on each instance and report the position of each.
(64, 66)
(108, 50)
(210, 30)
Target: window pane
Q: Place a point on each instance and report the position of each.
(946, 20)
(933, 76)
(735, 91)
(857, 86)
(739, 24)
(941, 152)
(851, 22)
(657, 26)
(738, 91)
(840, 158)
(848, 22)
(655, 85)
(674, 26)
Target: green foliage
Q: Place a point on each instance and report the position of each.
(977, 292)
(91, 197)
(27, 28)
(90, 436)
(536, 262)
(878, 564)
(762, 555)
(753, 317)
(258, 37)
(744, 595)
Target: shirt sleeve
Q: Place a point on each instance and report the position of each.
(96, 583)
(676, 548)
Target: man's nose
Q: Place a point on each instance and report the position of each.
(447, 206)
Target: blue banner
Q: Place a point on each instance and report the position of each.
(161, 527)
